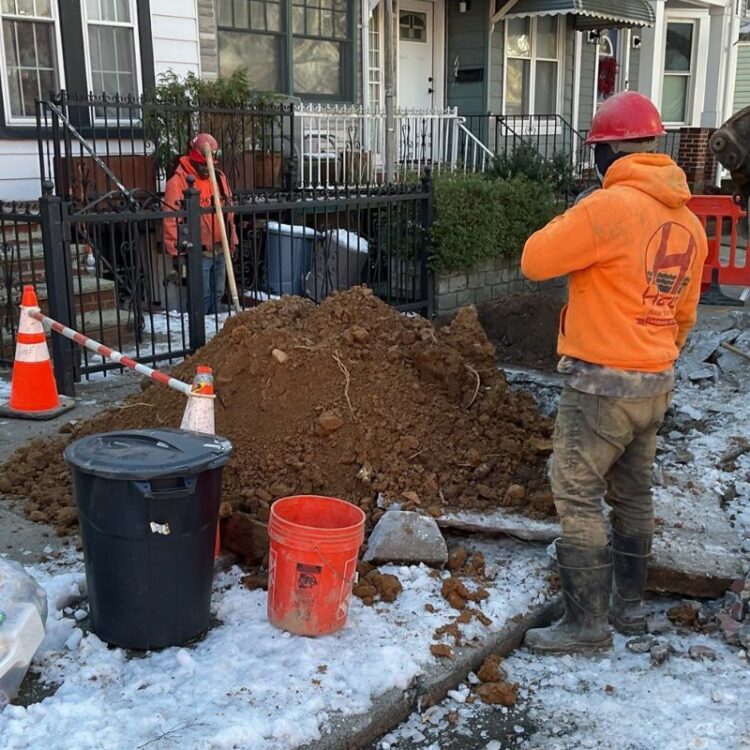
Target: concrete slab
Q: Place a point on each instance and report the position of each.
(696, 551)
(502, 523)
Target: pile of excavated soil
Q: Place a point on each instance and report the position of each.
(349, 399)
(523, 328)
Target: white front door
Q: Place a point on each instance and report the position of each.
(416, 65)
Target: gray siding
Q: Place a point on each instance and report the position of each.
(497, 59)
(742, 83)
(467, 40)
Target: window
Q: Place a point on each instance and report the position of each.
(412, 27)
(532, 65)
(678, 71)
(30, 54)
(110, 34)
(300, 47)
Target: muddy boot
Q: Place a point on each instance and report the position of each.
(630, 556)
(586, 579)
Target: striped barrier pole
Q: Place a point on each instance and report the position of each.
(115, 356)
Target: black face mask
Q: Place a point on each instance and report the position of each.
(604, 158)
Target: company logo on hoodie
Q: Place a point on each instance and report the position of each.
(669, 259)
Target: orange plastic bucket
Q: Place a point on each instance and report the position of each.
(312, 562)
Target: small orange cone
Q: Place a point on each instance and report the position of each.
(33, 392)
(199, 416)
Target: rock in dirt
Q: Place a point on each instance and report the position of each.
(660, 653)
(246, 537)
(255, 581)
(405, 536)
(685, 614)
(491, 671)
(454, 591)
(499, 693)
(441, 650)
(408, 379)
(457, 558)
(376, 586)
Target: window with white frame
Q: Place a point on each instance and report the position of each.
(679, 62)
(30, 55)
(111, 38)
(533, 53)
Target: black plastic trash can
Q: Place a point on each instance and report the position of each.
(148, 504)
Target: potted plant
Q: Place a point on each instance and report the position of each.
(247, 125)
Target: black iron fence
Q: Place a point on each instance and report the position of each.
(149, 279)
(21, 262)
(90, 146)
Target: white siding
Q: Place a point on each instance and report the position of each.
(742, 81)
(20, 182)
(174, 26)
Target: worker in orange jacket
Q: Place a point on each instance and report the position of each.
(633, 254)
(214, 266)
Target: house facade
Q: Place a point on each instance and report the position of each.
(517, 59)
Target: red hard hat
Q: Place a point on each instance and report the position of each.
(626, 116)
(198, 146)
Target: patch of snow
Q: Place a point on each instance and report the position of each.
(245, 684)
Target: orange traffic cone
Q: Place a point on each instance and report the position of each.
(33, 392)
(199, 412)
(199, 416)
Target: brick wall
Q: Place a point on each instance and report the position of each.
(207, 37)
(696, 158)
(493, 279)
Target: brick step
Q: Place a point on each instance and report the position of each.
(90, 294)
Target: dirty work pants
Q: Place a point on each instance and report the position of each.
(214, 281)
(603, 449)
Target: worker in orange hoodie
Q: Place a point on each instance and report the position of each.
(633, 254)
(214, 266)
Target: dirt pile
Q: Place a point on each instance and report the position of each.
(349, 399)
(523, 329)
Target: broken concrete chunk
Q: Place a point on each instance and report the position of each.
(660, 653)
(743, 634)
(405, 536)
(642, 644)
(701, 653)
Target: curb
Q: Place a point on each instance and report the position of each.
(394, 706)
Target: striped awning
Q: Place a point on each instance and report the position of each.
(590, 14)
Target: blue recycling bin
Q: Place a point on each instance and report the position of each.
(289, 255)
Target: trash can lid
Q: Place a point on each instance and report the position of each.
(291, 230)
(148, 454)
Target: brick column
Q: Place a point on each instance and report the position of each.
(695, 157)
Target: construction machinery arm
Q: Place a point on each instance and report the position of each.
(731, 145)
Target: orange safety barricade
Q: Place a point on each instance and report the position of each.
(733, 269)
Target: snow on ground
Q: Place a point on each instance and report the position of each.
(246, 684)
(617, 701)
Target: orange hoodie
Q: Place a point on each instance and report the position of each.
(210, 232)
(633, 253)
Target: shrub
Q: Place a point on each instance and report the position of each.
(179, 108)
(525, 161)
(477, 218)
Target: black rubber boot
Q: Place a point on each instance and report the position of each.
(586, 579)
(630, 556)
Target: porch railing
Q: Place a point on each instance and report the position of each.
(338, 145)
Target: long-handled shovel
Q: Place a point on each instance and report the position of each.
(222, 228)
